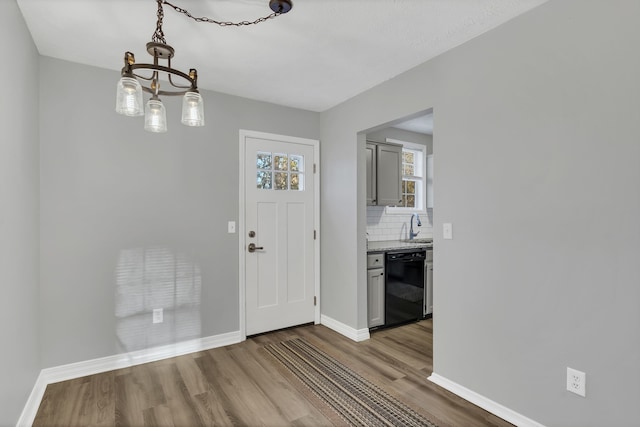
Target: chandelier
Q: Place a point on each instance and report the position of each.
(129, 90)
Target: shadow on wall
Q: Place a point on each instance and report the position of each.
(156, 278)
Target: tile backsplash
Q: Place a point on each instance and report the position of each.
(384, 226)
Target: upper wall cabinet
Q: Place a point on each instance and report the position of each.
(384, 174)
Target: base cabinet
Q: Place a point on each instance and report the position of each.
(375, 296)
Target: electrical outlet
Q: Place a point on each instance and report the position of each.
(577, 382)
(157, 315)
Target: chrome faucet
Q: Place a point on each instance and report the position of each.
(411, 233)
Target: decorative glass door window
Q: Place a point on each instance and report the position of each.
(280, 171)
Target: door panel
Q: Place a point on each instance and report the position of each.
(266, 263)
(296, 227)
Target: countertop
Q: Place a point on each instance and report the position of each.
(390, 245)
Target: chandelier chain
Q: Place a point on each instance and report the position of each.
(213, 21)
(158, 35)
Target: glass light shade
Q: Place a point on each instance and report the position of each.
(129, 97)
(155, 117)
(192, 109)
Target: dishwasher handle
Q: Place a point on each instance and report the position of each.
(406, 257)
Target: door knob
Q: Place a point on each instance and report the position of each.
(252, 247)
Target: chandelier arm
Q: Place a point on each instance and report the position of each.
(141, 77)
(180, 86)
(164, 92)
(221, 23)
(169, 71)
(191, 80)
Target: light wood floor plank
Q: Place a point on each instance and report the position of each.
(241, 399)
(191, 375)
(211, 409)
(179, 402)
(104, 403)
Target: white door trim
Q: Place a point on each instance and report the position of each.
(243, 134)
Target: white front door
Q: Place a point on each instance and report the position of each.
(279, 223)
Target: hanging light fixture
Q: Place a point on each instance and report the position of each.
(129, 90)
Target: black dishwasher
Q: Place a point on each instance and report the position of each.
(404, 286)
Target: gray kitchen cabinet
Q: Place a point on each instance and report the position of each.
(375, 290)
(384, 174)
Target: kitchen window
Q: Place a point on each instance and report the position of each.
(413, 178)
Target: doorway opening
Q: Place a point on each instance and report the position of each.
(405, 214)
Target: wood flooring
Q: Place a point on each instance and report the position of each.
(238, 385)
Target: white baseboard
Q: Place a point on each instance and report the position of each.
(33, 403)
(89, 367)
(483, 402)
(346, 330)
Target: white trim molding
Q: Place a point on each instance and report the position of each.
(30, 409)
(346, 330)
(487, 404)
(94, 366)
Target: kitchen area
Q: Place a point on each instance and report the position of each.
(400, 223)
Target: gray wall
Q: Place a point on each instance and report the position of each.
(19, 363)
(132, 221)
(537, 168)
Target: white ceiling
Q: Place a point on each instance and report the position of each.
(318, 55)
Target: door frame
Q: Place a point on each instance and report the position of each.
(242, 240)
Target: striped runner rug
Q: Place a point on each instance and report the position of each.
(346, 394)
